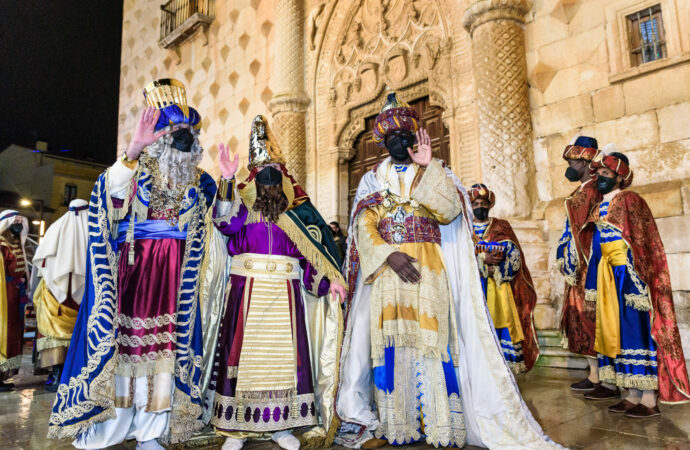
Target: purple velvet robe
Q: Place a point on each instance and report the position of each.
(261, 415)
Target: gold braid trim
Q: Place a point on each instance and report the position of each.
(607, 374)
(46, 343)
(309, 250)
(12, 363)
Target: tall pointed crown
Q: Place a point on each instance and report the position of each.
(395, 115)
(263, 147)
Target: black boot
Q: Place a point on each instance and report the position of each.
(56, 374)
(6, 387)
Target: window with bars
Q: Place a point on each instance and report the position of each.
(647, 39)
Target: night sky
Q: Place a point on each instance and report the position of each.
(59, 75)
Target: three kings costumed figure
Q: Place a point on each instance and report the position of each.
(60, 261)
(13, 281)
(420, 358)
(578, 318)
(506, 281)
(636, 338)
(134, 364)
(276, 360)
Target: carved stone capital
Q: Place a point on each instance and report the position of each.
(483, 11)
(342, 153)
(290, 102)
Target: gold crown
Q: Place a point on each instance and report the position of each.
(165, 92)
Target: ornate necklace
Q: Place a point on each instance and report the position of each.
(166, 201)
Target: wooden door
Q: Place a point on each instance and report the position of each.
(368, 154)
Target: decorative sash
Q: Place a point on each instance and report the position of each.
(412, 229)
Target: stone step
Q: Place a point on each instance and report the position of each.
(549, 338)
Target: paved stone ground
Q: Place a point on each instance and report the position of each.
(568, 419)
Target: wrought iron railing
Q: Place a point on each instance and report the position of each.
(180, 18)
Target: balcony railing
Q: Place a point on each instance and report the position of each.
(181, 18)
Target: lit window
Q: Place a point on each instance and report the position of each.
(647, 40)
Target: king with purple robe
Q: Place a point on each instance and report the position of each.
(278, 342)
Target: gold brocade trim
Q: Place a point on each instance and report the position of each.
(607, 374)
(148, 323)
(147, 364)
(639, 302)
(164, 337)
(45, 343)
(226, 189)
(309, 251)
(517, 368)
(591, 295)
(12, 363)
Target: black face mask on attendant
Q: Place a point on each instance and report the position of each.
(605, 184)
(183, 139)
(572, 174)
(16, 229)
(398, 143)
(481, 214)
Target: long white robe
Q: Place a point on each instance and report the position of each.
(495, 414)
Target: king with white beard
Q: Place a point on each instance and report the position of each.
(134, 365)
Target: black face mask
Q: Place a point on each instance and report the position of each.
(481, 214)
(605, 184)
(183, 139)
(572, 174)
(16, 229)
(397, 145)
(269, 176)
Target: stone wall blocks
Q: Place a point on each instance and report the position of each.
(630, 132)
(674, 122)
(608, 103)
(679, 267)
(567, 114)
(657, 89)
(674, 233)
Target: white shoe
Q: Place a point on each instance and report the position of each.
(233, 444)
(149, 445)
(286, 440)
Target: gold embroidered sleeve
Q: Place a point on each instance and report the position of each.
(373, 250)
(438, 194)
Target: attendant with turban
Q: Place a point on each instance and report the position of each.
(13, 278)
(578, 317)
(506, 281)
(636, 339)
(61, 263)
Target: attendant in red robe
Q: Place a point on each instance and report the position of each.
(636, 339)
(13, 277)
(578, 317)
(506, 281)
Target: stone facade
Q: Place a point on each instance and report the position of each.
(517, 81)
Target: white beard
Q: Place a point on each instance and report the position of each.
(175, 166)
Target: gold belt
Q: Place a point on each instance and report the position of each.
(265, 266)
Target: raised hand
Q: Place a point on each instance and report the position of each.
(337, 290)
(423, 154)
(401, 263)
(145, 134)
(228, 167)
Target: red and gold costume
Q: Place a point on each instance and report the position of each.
(578, 318)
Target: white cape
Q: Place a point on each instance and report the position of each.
(495, 414)
(63, 251)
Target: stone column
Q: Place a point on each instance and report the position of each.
(505, 126)
(290, 102)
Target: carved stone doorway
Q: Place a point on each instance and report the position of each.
(368, 154)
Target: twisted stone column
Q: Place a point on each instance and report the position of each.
(505, 126)
(290, 102)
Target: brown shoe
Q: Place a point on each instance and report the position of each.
(621, 407)
(583, 386)
(642, 412)
(602, 393)
(374, 443)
